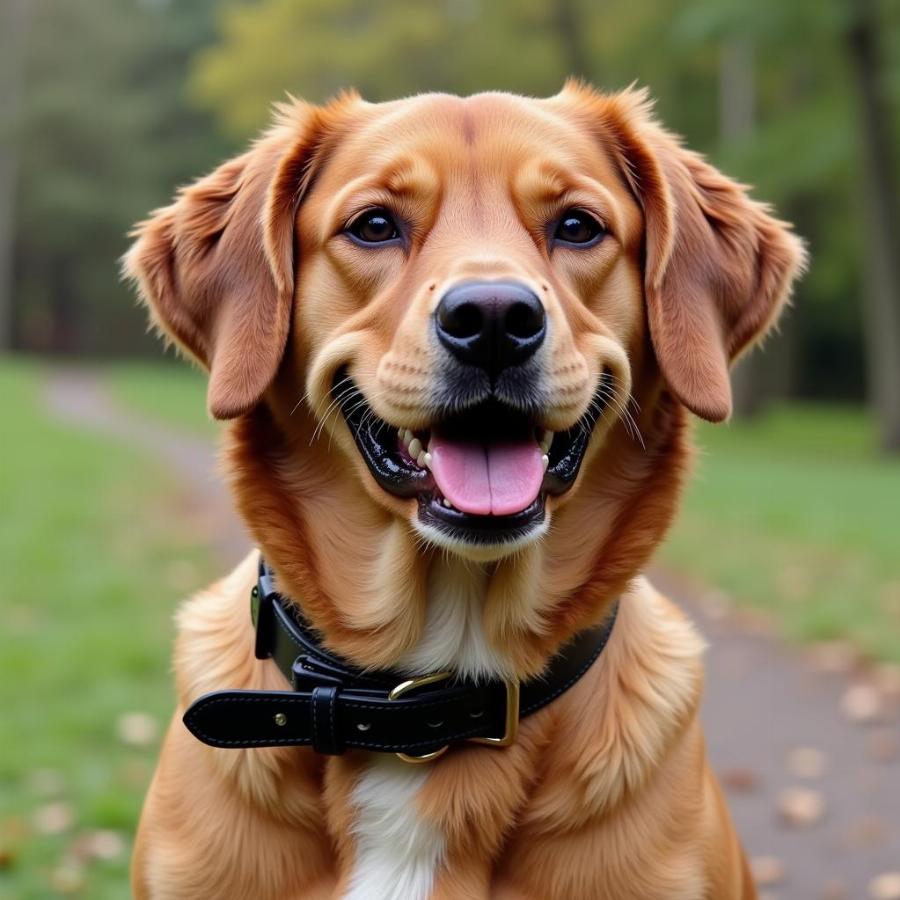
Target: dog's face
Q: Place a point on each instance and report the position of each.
(463, 304)
(470, 306)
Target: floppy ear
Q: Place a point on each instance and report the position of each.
(718, 266)
(216, 268)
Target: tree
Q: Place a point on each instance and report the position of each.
(882, 247)
(104, 135)
(12, 36)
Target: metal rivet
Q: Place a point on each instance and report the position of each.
(363, 726)
(280, 719)
(254, 592)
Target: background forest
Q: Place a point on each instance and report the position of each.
(110, 104)
(110, 513)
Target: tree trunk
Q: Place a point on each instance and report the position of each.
(12, 38)
(64, 313)
(881, 227)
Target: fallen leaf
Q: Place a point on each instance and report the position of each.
(866, 831)
(835, 889)
(767, 870)
(885, 887)
(884, 746)
(887, 680)
(102, 844)
(137, 728)
(68, 878)
(53, 818)
(806, 762)
(739, 779)
(836, 657)
(861, 703)
(801, 807)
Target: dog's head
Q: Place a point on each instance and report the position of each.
(464, 306)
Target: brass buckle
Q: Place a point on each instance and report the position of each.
(511, 731)
(410, 685)
(511, 728)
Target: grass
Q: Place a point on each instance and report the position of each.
(175, 393)
(796, 515)
(94, 561)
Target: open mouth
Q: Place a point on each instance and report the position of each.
(481, 475)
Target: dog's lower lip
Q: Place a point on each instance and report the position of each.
(399, 462)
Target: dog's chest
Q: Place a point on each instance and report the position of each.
(397, 851)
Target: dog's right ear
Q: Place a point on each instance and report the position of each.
(216, 268)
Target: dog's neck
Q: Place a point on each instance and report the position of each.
(380, 598)
(453, 636)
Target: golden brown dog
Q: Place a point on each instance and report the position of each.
(504, 285)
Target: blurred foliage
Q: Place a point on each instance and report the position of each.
(105, 135)
(126, 100)
(801, 153)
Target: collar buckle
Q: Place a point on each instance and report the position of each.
(511, 726)
(511, 729)
(410, 685)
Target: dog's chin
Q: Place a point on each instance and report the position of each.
(481, 548)
(478, 479)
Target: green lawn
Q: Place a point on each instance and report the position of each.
(796, 515)
(175, 393)
(95, 557)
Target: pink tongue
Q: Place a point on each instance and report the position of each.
(498, 479)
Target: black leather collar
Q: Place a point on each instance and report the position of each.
(333, 705)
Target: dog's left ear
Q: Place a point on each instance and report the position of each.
(718, 266)
(216, 268)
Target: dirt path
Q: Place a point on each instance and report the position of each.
(764, 702)
(80, 398)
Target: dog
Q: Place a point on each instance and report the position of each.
(458, 342)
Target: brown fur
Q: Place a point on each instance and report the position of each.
(607, 792)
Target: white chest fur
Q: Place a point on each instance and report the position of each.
(453, 636)
(397, 852)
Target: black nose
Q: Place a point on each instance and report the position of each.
(491, 324)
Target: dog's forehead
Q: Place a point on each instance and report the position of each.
(485, 135)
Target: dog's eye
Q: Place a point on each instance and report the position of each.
(577, 227)
(374, 226)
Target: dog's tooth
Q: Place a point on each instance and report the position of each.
(426, 460)
(447, 503)
(407, 436)
(420, 460)
(546, 441)
(546, 461)
(415, 448)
